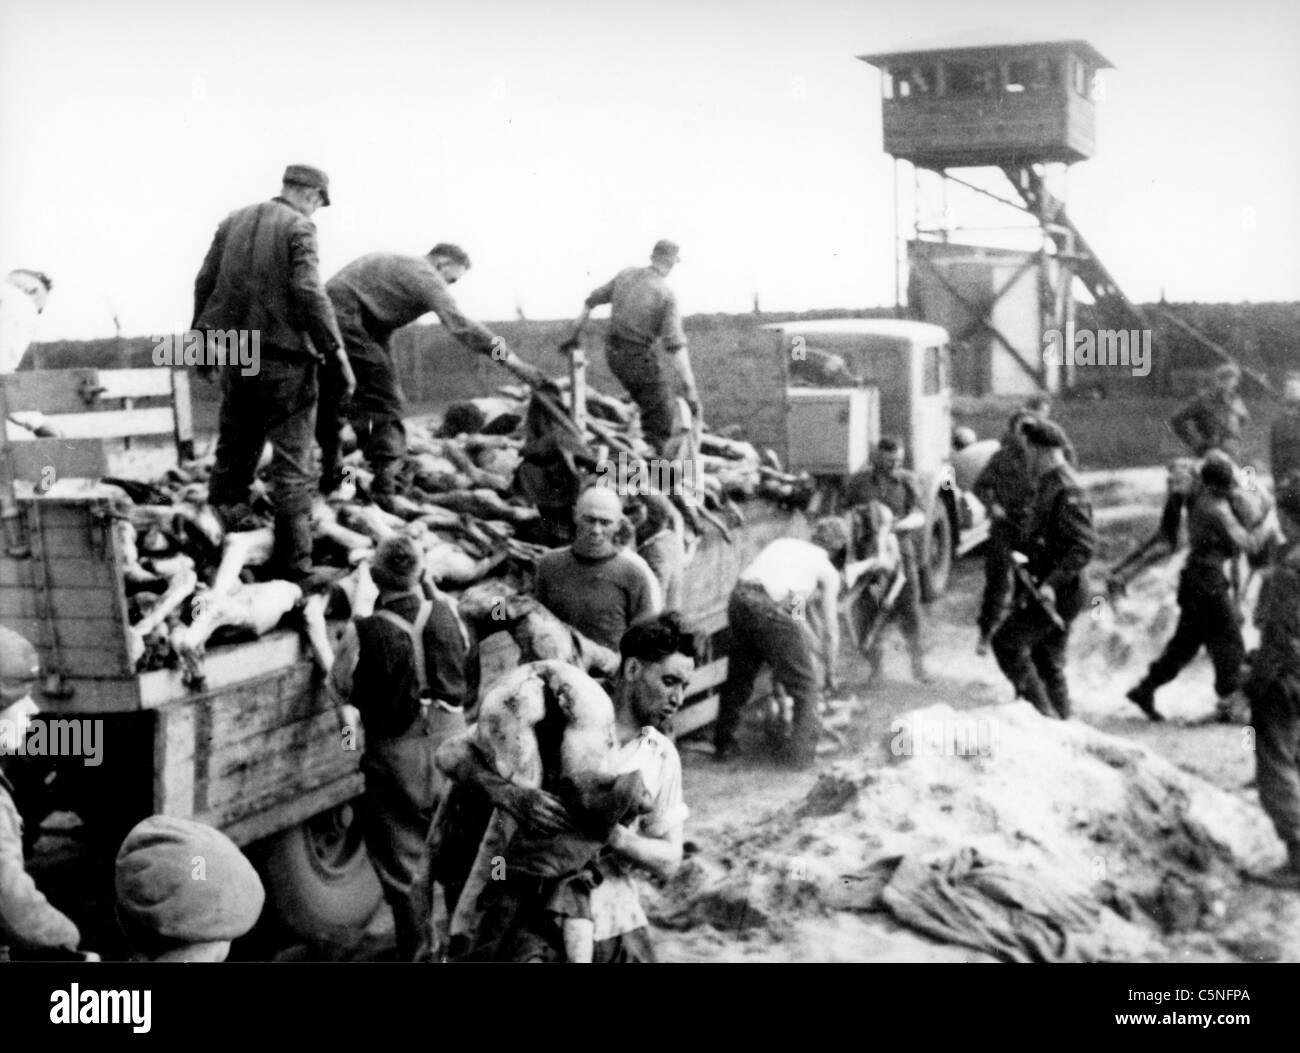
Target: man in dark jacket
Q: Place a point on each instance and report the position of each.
(1007, 491)
(1031, 645)
(1214, 419)
(1284, 436)
(1208, 612)
(373, 297)
(260, 275)
(402, 673)
(1274, 692)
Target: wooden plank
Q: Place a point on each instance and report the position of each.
(225, 666)
(250, 828)
(707, 676)
(67, 542)
(71, 604)
(85, 633)
(693, 717)
(183, 408)
(60, 390)
(69, 572)
(115, 424)
(41, 462)
(95, 696)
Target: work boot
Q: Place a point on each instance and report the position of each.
(1144, 697)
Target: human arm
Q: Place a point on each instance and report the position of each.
(462, 759)
(313, 304)
(1187, 425)
(602, 295)
(27, 918)
(914, 517)
(206, 280)
(1073, 515)
(1250, 540)
(660, 855)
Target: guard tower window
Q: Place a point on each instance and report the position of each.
(970, 78)
(917, 79)
(1081, 78)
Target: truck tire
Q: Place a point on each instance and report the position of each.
(319, 881)
(936, 555)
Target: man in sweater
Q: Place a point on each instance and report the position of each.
(593, 584)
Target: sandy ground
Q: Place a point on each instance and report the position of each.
(734, 803)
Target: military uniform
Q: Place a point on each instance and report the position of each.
(1029, 647)
(1208, 614)
(1211, 421)
(901, 494)
(1005, 481)
(1274, 691)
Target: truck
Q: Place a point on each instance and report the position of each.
(255, 750)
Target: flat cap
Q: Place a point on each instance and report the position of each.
(180, 883)
(306, 175)
(1043, 434)
(665, 250)
(20, 666)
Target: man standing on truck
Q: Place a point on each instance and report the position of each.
(29, 923)
(1031, 644)
(402, 672)
(643, 313)
(373, 297)
(260, 275)
(783, 613)
(1214, 419)
(593, 584)
(1007, 491)
(899, 490)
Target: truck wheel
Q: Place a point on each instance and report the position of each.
(936, 558)
(319, 880)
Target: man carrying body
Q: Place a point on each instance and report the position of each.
(594, 585)
(373, 297)
(1007, 491)
(643, 312)
(898, 489)
(657, 661)
(1274, 691)
(1208, 614)
(29, 923)
(1214, 419)
(783, 613)
(1031, 644)
(402, 671)
(260, 274)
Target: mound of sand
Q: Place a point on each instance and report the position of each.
(1024, 838)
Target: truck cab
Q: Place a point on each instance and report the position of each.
(852, 381)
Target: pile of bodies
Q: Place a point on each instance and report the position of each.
(461, 497)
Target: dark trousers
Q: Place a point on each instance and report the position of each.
(642, 371)
(1030, 651)
(403, 787)
(376, 407)
(906, 613)
(999, 579)
(1276, 718)
(1207, 618)
(765, 633)
(276, 403)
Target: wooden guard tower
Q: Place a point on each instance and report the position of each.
(1026, 109)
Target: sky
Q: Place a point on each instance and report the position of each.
(557, 141)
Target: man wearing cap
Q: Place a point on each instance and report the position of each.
(643, 313)
(28, 921)
(1274, 691)
(260, 274)
(1031, 644)
(593, 584)
(184, 891)
(1214, 419)
(1208, 611)
(402, 670)
(1284, 436)
(899, 490)
(373, 297)
(783, 613)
